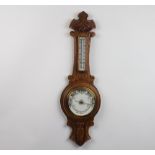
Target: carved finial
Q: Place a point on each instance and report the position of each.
(82, 24)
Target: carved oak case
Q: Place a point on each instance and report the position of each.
(80, 100)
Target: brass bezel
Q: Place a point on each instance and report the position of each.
(78, 88)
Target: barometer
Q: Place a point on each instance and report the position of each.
(80, 100)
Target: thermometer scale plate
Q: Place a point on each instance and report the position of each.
(82, 53)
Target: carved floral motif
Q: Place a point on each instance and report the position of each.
(82, 24)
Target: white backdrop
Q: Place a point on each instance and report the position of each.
(36, 56)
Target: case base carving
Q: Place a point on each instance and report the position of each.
(80, 131)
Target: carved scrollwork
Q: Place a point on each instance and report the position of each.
(82, 24)
(81, 77)
(80, 133)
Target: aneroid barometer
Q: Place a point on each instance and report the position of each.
(80, 100)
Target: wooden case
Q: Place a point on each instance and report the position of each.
(80, 79)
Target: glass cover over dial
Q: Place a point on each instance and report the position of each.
(81, 101)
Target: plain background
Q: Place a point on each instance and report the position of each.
(36, 56)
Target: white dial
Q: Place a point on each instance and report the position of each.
(81, 101)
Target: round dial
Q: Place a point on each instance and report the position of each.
(81, 101)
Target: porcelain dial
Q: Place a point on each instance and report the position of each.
(81, 102)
